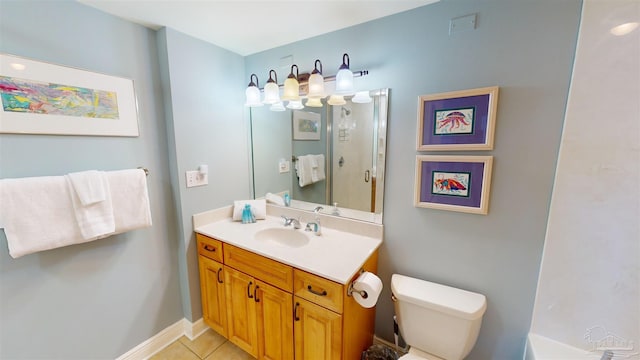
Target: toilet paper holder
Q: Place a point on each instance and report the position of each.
(350, 289)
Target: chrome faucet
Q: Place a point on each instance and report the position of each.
(291, 220)
(315, 226)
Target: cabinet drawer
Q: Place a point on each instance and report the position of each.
(318, 290)
(209, 247)
(260, 267)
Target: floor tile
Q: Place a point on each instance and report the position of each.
(175, 351)
(229, 351)
(204, 344)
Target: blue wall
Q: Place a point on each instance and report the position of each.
(99, 299)
(526, 48)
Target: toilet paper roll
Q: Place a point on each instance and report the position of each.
(366, 289)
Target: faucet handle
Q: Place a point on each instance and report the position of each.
(317, 209)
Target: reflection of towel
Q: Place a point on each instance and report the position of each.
(91, 200)
(304, 170)
(317, 168)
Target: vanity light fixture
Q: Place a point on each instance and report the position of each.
(271, 89)
(313, 84)
(316, 82)
(344, 78)
(361, 97)
(314, 102)
(253, 93)
(336, 100)
(295, 105)
(292, 86)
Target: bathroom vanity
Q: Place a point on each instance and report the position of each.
(280, 293)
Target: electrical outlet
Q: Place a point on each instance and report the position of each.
(196, 178)
(284, 166)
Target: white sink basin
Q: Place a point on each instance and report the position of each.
(282, 236)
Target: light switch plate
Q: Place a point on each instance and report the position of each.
(196, 178)
(284, 166)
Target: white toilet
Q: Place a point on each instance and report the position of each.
(438, 322)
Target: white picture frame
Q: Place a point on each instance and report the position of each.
(306, 125)
(43, 98)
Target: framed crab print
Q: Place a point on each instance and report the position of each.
(457, 120)
(454, 183)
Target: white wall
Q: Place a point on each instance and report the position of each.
(589, 274)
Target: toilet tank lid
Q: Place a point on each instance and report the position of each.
(457, 302)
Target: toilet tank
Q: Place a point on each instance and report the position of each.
(437, 319)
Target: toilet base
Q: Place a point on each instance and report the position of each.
(415, 354)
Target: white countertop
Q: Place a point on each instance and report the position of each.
(335, 255)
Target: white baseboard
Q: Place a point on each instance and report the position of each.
(165, 337)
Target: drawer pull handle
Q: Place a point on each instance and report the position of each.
(323, 293)
(255, 293)
(249, 290)
(218, 276)
(210, 248)
(295, 312)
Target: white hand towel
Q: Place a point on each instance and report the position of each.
(258, 208)
(37, 214)
(303, 169)
(95, 218)
(89, 186)
(275, 199)
(317, 169)
(130, 199)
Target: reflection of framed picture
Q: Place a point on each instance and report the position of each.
(42, 98)
(455, 183)
(306, 125)
(458, 120)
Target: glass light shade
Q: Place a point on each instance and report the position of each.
(253, 96)
(291, 89)
(314, 102)
(277, 107)
(316, 86)
(271, 93)
(295, 105)
(344, 82)
(336, 100)
(362, 97)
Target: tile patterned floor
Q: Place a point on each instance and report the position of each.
(208, 346)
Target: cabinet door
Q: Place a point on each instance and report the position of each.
(275, 322)
(317, 332)
(241, 310)
(214, 308)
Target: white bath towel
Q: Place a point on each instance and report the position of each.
(303, 170)
(94, 216)
(317, 168)
(130, 199)
(37, 214)
(89, 186)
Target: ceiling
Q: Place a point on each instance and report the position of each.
(248, 27)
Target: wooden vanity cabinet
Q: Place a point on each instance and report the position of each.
(214, 308)
(277, 312)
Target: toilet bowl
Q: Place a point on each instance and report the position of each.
(438, 322)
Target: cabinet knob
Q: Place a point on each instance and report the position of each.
(255, 294)
(209, 248)
(249, 290)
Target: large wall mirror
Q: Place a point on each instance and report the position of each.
(351, 138)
